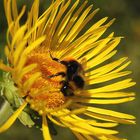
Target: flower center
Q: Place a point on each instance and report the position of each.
(45, 93)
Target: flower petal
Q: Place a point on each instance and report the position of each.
(85, 42)
(108, 118)
(110, 113)
(45, 129)
(14, 9)
(114, 87)
(107, 50)
(25, 70)
(108, 94)
(107, 77)
(108, 67)
(4, 67)
(12, 119)
(84, 127)
(32, 46)
(103, 101)
(79, 136)
(27, 85)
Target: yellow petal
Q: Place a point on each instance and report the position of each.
(8, 35)
(66, 19)
(27, 85)
(12, 119)
(85, 21)
(96, 25)
(77, 24)
(55, 121)
(52, 31)
(110, 113)
(84, 127)
(88, 137)
(14, 9)
(17, 20)
(18, 52)
(32, 46)
(114, 87)
(33, 29)
(45, 16)
(108, 118)
(103, 59)
(121, 67)
(109, 137)
(45, 129)
(107, 77)
(108, 67)
(107, 125)
(4, 67)
(35, 10)
(7, 7)
(103, 101)
(25, 70)
(99, 48)
(94, 123)
(73, 26)
(87, 42)
(35, 44)
(107, 94)
(78, 136)
(109, 47)
(74, 111)
(84, 42)
(18, 36)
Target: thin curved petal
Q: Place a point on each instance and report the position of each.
(12, 119)
(45, 129)
(4, 67)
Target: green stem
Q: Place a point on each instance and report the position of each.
(5, 112)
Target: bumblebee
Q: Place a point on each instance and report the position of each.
(73, 76)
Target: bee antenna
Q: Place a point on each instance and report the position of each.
(53, 58)
(50, 54)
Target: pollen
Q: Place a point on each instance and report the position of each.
(45, 92)
(46, 101)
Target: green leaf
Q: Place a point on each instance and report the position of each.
(26, 119)
(8, 95)
(9, 91)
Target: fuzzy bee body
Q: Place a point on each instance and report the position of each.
(73, 76)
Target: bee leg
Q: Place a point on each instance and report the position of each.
(57, 74)
(66, 89)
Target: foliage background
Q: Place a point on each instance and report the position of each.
(127, 24)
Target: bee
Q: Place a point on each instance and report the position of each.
(73, 76)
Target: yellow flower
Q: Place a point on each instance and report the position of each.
(37, 52)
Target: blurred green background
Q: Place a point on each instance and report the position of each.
(127, 24)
